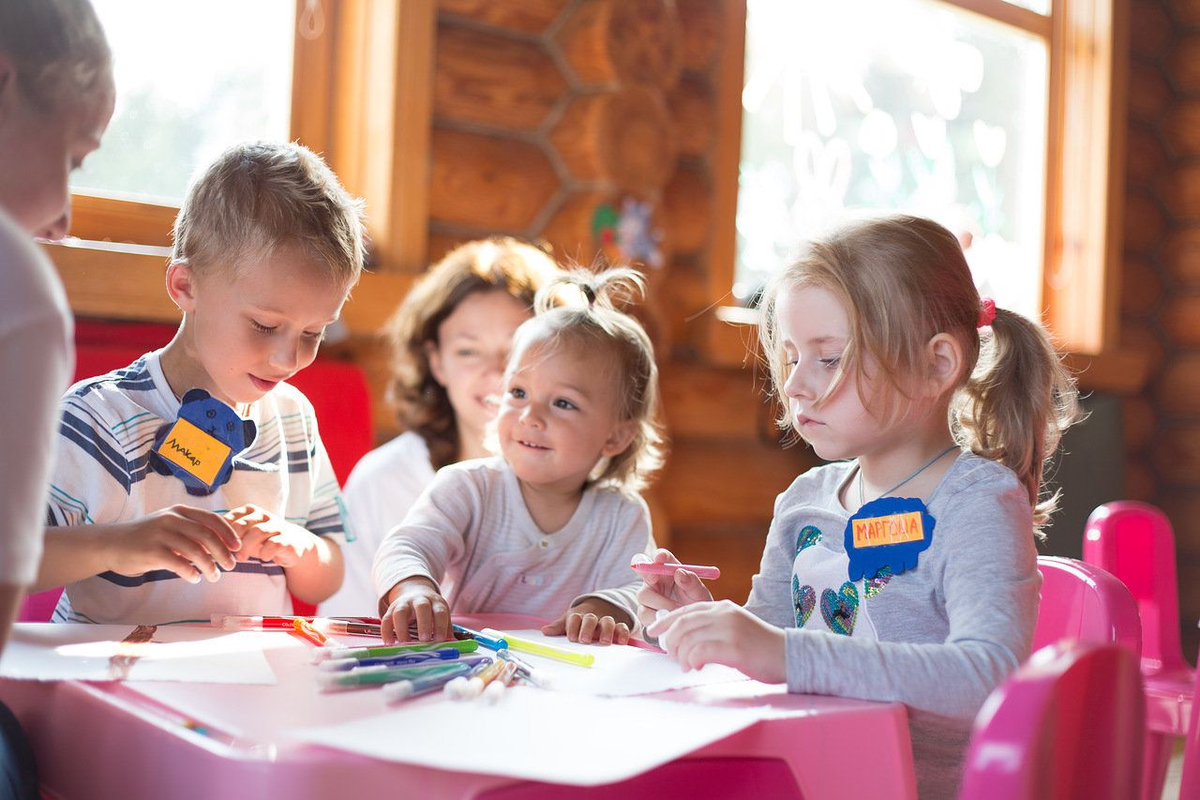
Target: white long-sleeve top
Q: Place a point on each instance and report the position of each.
(36, 361)
(472, 535)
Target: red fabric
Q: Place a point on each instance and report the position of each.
(337, 390)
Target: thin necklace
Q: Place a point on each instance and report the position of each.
(926, 466)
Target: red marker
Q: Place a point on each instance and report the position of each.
(654, 568)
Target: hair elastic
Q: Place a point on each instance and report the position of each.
(987, 312)
(589, 294)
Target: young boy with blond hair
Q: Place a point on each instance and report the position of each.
(194, 481)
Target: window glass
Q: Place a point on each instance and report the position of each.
(192, 79)
(904, 105)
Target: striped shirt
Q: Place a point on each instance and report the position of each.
(104, 475)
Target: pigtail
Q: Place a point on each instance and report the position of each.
(589, 307)
(1017, 403)
(613, 289)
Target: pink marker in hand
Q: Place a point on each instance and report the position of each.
(668, 568)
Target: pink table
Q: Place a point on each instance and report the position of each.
(133, 740)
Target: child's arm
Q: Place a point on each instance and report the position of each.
(609, 613)
(311, 563)
(987, 576)
(190, 542)
(417, 554)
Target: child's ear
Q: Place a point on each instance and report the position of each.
(945, 359)
(622, 435)
(181, 285)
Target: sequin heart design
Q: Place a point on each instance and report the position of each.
(840, 609)
(809, 535)
(873, 586)
(804, 599)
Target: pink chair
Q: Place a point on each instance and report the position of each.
(1189, 785)
(1083, 602)
(1067, 724)
(1134, 541)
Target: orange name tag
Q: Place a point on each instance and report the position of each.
(892, 529)
(194, 451)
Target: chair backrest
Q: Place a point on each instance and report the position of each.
(1189, 784)
(1067, 724)
(1081, 601)
(1135, 542)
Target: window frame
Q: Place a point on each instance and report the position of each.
(346, 88)
(1088, 65)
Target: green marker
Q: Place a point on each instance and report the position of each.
(379, 675)
(323, 653)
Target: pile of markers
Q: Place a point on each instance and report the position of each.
(459, 667)
(409, 670)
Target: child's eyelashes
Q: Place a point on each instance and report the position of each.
(315, 337)
(516, 393)
(565, 404)
(831, 363)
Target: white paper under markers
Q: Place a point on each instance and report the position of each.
(619, 671)
(49, 652)
(536, 735)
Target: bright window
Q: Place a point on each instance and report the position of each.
(907, 105)
(192, 79)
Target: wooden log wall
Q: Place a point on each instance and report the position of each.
(547, 113)
(1160, 301)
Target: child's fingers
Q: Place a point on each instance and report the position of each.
(556, 628)
(423, 611)
(604, 630)
(664, 556)
(221, 528)
(184, 546)
(690, 588)
(395, 627)
(588, 623)
(621, 634)
(441, 621)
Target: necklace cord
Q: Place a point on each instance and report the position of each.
(925, 466)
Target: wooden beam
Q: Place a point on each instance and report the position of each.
(127, 283)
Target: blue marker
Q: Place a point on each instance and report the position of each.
(412, 687)
(429, 657)
(490, 642)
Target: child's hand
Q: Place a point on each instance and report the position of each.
(668, 592)
(190, 542)
(723, 633)
(588, 621)
(268, 537)
(416, 599)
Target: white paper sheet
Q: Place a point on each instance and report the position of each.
(619, 671)
(537, 735)
(50, 652)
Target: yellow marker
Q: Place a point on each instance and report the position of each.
(540, 649)
(197, 452)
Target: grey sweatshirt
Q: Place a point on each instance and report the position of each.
(937, 638)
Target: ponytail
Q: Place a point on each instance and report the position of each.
(1016, 404)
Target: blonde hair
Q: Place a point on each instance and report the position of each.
(258, 196)
(598, 326)
(498, 264)
(58, 48)
(902, 280)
